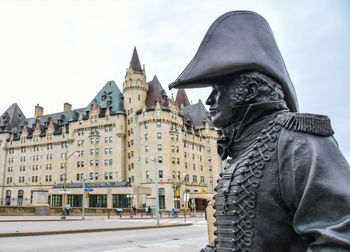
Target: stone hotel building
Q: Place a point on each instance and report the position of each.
(102, 144)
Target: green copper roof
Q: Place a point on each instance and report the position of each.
(109, 96)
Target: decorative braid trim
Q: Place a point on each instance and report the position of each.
(307, 123)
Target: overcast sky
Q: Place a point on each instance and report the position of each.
(53, 52)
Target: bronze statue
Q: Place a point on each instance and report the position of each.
(287, 185)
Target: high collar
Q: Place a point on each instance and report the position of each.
(239, 135)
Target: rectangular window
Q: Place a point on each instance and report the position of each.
(110, 161)
(106, 150)
(173, 160)
(110, 175)
(159, 135)
(146, 148)
(106, 162)
(210, 168)
(110, 150)
(147, 174)
(146, 136)
(158, 112)
(159, 147)
(171, 136)
(160, 159)
(172, 148)
(159, 124)
(106, 175)
(209, 159)
(106, 139)
(160, 173)
(208, 149)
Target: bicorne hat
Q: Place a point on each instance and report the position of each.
(237, 41)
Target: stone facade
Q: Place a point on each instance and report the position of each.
(113, 141)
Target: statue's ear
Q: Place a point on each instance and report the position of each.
(252, 91)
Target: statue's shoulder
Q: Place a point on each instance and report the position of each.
(307, 123)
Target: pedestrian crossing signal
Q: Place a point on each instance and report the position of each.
(87, 194)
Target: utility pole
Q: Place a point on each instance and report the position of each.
(65, 183)
(155, 160)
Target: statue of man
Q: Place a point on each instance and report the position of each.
(287, 185)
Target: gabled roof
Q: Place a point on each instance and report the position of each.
(156, 93)
(135, 62)
(109, 96)
(197, 113)
(11, 117)
(181, 98)
(58, 119)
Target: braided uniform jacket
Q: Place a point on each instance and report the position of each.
(289, 190)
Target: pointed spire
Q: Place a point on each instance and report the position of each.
(181, 98)
(11, 117)
(156, 92)
(135, 62)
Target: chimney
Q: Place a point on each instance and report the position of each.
(39, 111)
(67, 107)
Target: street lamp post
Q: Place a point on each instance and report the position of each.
(131, 197)
(65, 181)
(155, 160)
(83, 207)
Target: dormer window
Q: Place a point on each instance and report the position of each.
(103, 97)
(109, 103)
(60, 121)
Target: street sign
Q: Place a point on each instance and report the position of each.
(88, 190)
(64, 192)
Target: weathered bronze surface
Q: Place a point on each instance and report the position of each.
(287, 185)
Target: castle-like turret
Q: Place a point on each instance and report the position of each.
(135, 86)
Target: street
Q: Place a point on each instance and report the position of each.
(184, 239)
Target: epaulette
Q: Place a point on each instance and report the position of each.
(307, 123)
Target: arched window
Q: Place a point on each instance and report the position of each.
(20, 198)
(8, 198)
(161, 192)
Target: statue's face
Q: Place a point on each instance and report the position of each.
(221, 103)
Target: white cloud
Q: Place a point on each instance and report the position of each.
(57, 51)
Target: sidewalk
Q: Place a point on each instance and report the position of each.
(46, 225)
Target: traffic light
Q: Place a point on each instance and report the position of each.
(177, 191)
(87, 194)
